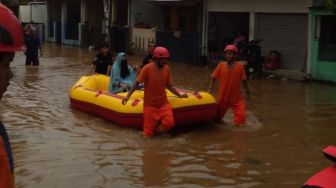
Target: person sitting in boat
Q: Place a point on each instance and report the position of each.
(149, 56)
(147, 59)
(103, 62)
(123, 76)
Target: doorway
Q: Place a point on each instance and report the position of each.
(73, 17)
(121, 13)
(229, 25)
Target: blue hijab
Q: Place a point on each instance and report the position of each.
(116, 78)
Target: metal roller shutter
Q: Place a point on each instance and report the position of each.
(285, 33)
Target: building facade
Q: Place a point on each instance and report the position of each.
(83, 22)
(282, 26)
(66, 21)
(302, 36)
(35, 12)
(323, 44)
(176, 25)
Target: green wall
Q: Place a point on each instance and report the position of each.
(320, 70)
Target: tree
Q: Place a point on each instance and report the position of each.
(330, 5)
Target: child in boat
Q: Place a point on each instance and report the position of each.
(11, 40)
(103, 62)
(158, 114)
(123, 75)
(230, 73)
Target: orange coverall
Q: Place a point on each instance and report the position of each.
(229, 93)
(6, 180)
(157, 110)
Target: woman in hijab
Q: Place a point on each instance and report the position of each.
(123, 76)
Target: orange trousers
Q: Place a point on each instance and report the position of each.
(157, 119)
(238, 111)
(6, 179)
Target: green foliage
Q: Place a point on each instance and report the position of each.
(330, 5)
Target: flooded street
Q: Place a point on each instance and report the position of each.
(55, 146)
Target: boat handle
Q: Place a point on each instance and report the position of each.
(197, 95)
(135, 102)
(77, 86)
(98, 93)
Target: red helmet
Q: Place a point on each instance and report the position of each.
(11, 37)
(232, 48)
(160, 52)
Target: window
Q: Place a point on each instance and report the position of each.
(327, 38)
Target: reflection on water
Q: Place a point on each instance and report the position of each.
(55, 146)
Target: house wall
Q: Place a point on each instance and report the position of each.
(142, 37)
(63, 26)
(320, 70)
(34, 12)
(54, 10)
(38, 14)
(253, 7)
(256, 8)
(92, 13)
(24, 13)
(54, 16)
(84, 11)
(119, 9)
(95, 20)
(271, 6)
(149, 13)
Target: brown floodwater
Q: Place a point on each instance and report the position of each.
(55, 146)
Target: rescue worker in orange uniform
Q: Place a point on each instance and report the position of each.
(11, 40)
(231, 74)
(156, 76)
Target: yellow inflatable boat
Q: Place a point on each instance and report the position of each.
(90, 95)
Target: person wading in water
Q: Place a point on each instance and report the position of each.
(156, 76)
(231, 74)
